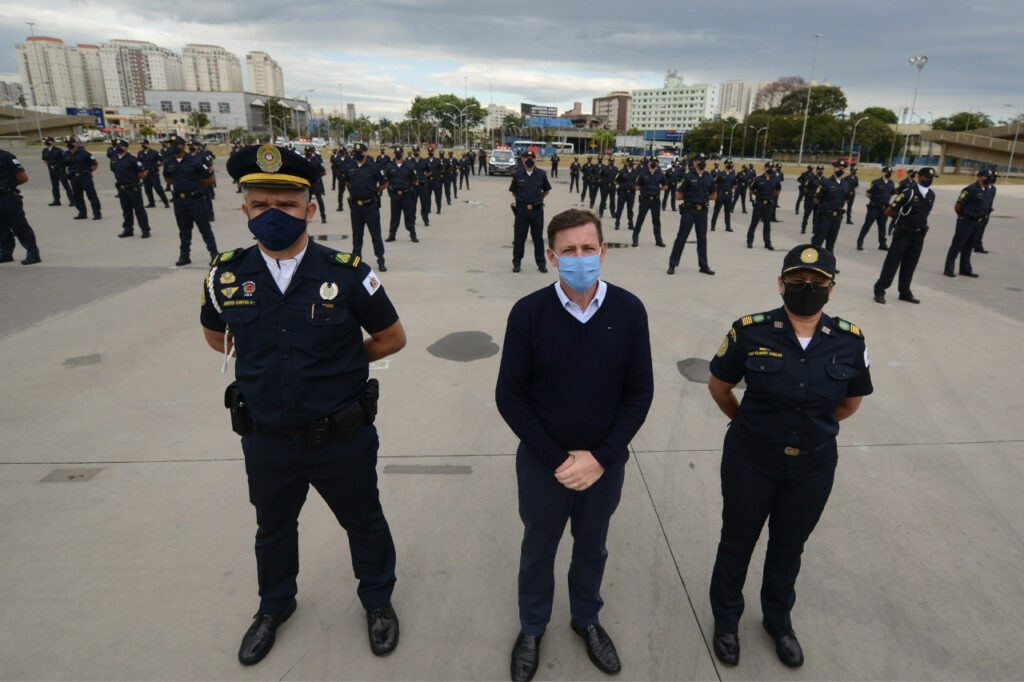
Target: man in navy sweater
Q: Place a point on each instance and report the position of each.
(575, 385)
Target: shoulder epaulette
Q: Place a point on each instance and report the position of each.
(758, 318)
(344, 258)
(226, 256)
(848, 327)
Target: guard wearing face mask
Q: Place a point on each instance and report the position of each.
(990, 197)
(972, 208)
(129, 174)
(725, 182)
(53, 157)
(763, 191)
(800, 183)
(830, 198)
(318, 187)
(909, 209)
(437, 175)
(903, 184)
(424, 187)
(365, 182)
(190, 177)
(650, 182)
(574, 175)
(810, 208)
(625, 182)
(151, 161)
(879, 195)
(401, 176)
(854, 182)
(696, 191)
(529, 187)
(607, 180)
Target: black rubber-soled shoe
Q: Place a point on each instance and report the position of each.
(259, 638)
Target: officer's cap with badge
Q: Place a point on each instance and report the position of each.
(840, 163)
(699, 156)
(71, 142)
(810, 257)
(359, 147)
(50, 139)
(527, 154)
(175, 139)
(121, 142)
(272, 167)
(984, 173)
(887, 169)
(769, 165)
(926, 172)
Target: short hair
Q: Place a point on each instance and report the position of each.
(574, 217)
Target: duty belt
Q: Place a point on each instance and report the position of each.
(649, 197)
(974, 218)
(364, 202)
(764, 201)
(9, 190)
(188, 195)
(699, 207)
(833, 213)
(530, 207)
(345, 422)
(127, 186)
(75, 175)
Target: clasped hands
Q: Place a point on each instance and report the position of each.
(580, 471)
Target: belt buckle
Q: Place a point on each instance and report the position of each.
(792, 452)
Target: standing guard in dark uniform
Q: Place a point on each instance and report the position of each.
(854, 182)
(448, 166)
(128, 177)
(990, 197)
(465, 165)
(366, 181)
(317, 189)
(696, 191)
(342, 160)
(625, 181)
(574, 175)
(166, 153)
(383, 160)
(81, 165)
(335, 173)
(554, 164)
(909, 209)
(529, 187)
(209, 191)
(596, 175)
(607, 180)
(972, 209)
(781, 177)
(763, 191)
(879, 195)
(805, 372)
(151, 161)
(724, 186)
(437, 173)
(830, 197)
(585, 171)
(673, 174)
(401, 177)
(903, 184)
(53, 157)
(801, 182)
(12, 212)
(423, 175)
(294, 313)
(743, 179)
(650, 182)
(810, 208)
(190, 177)
(481, 158)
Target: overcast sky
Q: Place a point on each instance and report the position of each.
(382, 53)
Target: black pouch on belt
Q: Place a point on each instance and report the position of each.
(241, 420)
(368, 401)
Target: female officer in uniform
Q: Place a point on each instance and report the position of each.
(805, 371)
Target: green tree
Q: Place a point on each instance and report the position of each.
(963, 120)
(634, 131)
(281, 117)
(704, 138)
(147, 131)
(198, 120)
(513, 121)
(604, 139)
(241, 135)
(825, 99)
(881, 113)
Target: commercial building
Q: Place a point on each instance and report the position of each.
(210, 68)
(227, 110)
(264, 74)
(676, 106)
(735, 98)
(614, 108)
(496, 114)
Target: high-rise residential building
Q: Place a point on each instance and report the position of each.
(47, 69)
(614, 108)
(676, 106)
(264, 74)
(94, 92)
(496, 114)
(736, 97)
(130, 67)
(210, 68)
(350, 111)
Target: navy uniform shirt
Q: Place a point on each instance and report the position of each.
(554, 160)
(990, 197)
(608, 174)
(300, 355)
(529, 188)
(626, 180)
(791, 393)
(974, 201)
(574, 168)
(422, 169)
(126, 170)
(363, 181)
(880, 192)
(188, 173)
(9, 169)
(831, 193)
(854, 182)
(765, 188)
(54, 157)
(401, 175)
(150, 159)
(650, 182)
(696, 189)
(913, 207)
(725, 181)
(112, 156)
(80, 161)
(318, 162)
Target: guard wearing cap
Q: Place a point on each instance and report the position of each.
(854, 182)
(879, 195)
(990, 197)
(972, 209)
(830, 198)
(810, 208)
(625, 182)
(574, 174)
(189, 179)
(424, 187)
(725, 183)
(801, 181)
(293, 312)
(53, 157)
(805, 372)
(317, 189)
(696, 191)
(81, 165)
(650, 182)
(781, 178)
(12, 212)
(529, 187)
(338, 164)
(763, 191)
(909, 209)
(910, 179)
(402, 181)
(151, 161)
(365, 182)
(607, 182)
(128, 176)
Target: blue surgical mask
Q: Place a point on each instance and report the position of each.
(579, 272)
(276, 229)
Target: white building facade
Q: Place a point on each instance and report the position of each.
(676, 106)
(265, 76)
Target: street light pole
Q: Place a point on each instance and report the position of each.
(854, 137)
(1013, 147)
(807, 104)
(919, 62)
(756, 133)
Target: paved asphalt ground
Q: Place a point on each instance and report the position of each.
(126, 531)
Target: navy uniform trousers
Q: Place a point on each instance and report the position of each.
(403, 203)
(280, 470)
(130, 197)
(648, 202)
(544, 507)
(762, 213)
(366, 214)
(790, 493)
(191, 210)
(695, 219)
(826, 229)
(528, 222)
(965, 237)
(14, 224)
(876, 214)
(904, 252)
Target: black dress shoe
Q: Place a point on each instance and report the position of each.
(515, 267)
(323, 220)
(787, 648)
(750, 246)
(947, 273)
(707, 271)
(525, 657)
(145, 235)
(54, 203)
(728, 229)
(382, 626)
(390, 239)
(97, 217)
(860, 247)
(183, 261)
(661, 244)
(981, 250)
(969, 274)
(880, 298)
(727, 647)
(381, 266)
(80, 216)
(883, 247)
(414, 238)
(671, 270)
(125, 234)
(769, 247)
(634, 244)
(31, 260)
(259, 638)
(909, 298)
(151, 205)
(600, 647)
(542, 267)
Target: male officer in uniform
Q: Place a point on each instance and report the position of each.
(81, 165)
(810, 208)
(607, 180)
(585, 171)
(318, 187)
(341, 159)
(424, 178)
(625, 181)
(781, 177)
(596, 175)
(401, 177)
(481, 157)
(696, 191)
(909, 210)
(879, 194)
(128, 176)
(725, 182)
(294, 313)
(650, 182)
(365, 182)
(972, 208)
(529, 187)
(903, 184)
(189, 180)
(990, 196)
(437, 173)
(166, 154)
(150, 160)
(673, 174)
(449, 167)
(53, 157)
(12, 212)
(554, 164)
(854, 182)
(764, 189)
(574, 174)
(801, 182)
(743, 179)
(830, 197)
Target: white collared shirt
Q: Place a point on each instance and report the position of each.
(282, 270)
(923, 190)
(574, 310)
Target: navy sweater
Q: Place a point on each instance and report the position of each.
(564, 385)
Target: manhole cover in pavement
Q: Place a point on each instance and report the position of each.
(464, 347)
(68, 475)
(83, 360)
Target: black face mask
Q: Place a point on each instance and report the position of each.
(802, 299)
(360, 156)
(528, 163)
(701, 165)
(886, 175)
